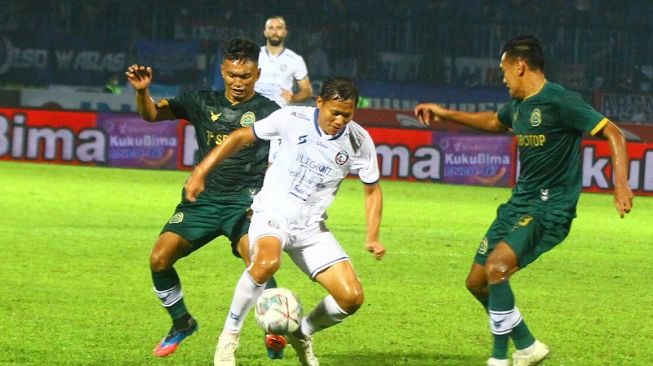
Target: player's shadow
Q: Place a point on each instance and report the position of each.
(401, 359)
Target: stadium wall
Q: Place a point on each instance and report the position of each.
(125, 140)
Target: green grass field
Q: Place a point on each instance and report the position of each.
(75, 285)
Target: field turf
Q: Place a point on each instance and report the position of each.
(75, 286)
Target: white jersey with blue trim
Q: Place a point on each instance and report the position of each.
(310, 165)
(278, 72)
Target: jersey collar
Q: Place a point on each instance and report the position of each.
(275, 56)
(323, 134)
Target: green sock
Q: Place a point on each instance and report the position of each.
(501, 299)
(522, 336)
(272, 283)
(165, 283)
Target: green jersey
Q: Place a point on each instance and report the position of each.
(549, 126)
(214, 117)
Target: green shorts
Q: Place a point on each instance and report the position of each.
(201, 221)
(529, 231)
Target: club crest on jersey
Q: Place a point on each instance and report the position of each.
(283, 67)
(525, 220)
(342, 157)
(247, 119)
(176, 218)
(482, 248)
(215, 116)
(536, 117)
(273, 223)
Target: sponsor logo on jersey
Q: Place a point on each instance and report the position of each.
(176, 218)
(300, 115)
(342, 157)
(247, 119)
(531, 140)
(536, 117)
(544, 194)
(482, 248)
(215, 116)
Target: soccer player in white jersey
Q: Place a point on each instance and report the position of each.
(321, 146)
(281, 67)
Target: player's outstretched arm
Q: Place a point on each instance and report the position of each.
(428, 113)
(373, 213)
(230, 145)
(623, 195)
(140, 78)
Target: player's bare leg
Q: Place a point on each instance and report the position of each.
(505, 318)
(476, 283)
(344, 299)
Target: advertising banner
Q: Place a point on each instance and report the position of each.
(403, 119)
(407, 154)
(445, 157)
(597, 169)
(135, 143)
(477, 159)
(404, 96)
(57, 137)
(125, 140)
(57, 59)
(626, 107)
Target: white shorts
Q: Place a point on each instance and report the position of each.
(313, 249)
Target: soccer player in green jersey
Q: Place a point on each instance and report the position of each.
(223, 209)
(548, 121)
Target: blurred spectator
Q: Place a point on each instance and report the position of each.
(112, 86)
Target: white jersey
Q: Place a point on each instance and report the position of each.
(310, 165)
(278, 72)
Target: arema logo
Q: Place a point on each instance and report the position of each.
(5, 55)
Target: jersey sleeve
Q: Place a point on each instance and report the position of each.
(181, 104)
(504, 115)
(270, 127)
(301, 71)
(578, 114)
(365, 164)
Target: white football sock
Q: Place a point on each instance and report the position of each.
(245, 295)
(326, 314)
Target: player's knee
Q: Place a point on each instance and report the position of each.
(159, 262)
(474, 286)
(350, 301)
(497, 271)
(264, 268)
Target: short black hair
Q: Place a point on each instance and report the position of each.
(339, 88)
(527, 48)
(241, 50)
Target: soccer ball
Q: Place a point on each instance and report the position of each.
(278, 311)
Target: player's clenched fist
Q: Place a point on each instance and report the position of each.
(139, 76)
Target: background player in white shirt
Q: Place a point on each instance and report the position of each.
(321, 146)
(281, 67)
